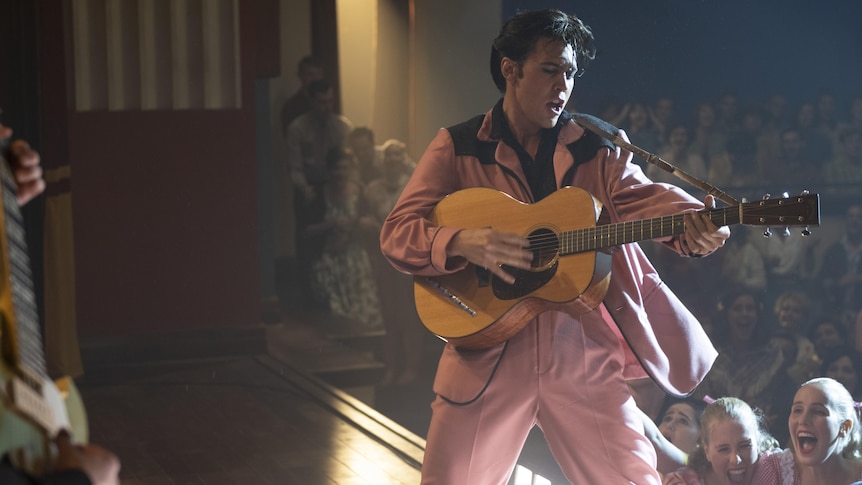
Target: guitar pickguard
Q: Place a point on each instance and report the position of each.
(526, 282)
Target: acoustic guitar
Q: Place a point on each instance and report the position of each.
(33, 408)
(472, 308)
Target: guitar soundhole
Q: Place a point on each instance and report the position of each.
(544, 244)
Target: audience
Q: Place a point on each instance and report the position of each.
(311, 136)
(749, 365)
(742, 263)
(792, 311)
(677, 152)
(841, 270)
(402, 344)
(337, 228)
(708, 141)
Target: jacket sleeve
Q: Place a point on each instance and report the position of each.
(411, 242)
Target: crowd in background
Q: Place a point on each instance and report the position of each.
(344, 185)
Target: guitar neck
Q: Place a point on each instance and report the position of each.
(22, 343)
(608, 235)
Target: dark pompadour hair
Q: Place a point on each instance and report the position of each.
(518, 37)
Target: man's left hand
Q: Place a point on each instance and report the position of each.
(701, 235)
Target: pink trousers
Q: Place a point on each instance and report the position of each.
(564, 375)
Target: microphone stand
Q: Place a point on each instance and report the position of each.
(657, 161)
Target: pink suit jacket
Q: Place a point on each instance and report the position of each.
(667, 339)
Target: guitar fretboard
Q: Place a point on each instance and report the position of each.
(26, 349)
(597, 237)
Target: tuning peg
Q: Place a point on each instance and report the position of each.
(806, 231)
(785, 195)
(786, 232)
(767, 232)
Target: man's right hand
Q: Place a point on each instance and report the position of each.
(492, 249)
(99, 464)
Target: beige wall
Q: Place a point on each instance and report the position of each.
(357, 58)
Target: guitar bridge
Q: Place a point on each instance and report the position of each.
(27, 399)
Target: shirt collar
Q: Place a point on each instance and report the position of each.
(500, 126)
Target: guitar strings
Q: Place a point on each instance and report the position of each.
(580, 237)
(591, 234)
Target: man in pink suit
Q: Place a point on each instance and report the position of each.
(563, 373)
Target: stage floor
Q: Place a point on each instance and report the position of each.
(303, 411)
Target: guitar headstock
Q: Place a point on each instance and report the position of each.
(789, 211)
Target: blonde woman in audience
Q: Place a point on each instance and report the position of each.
(732, 442)
(825, 440)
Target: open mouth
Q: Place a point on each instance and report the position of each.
(736, 475)
(556, 107)
(807, 442)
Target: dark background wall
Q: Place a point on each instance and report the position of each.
(693, 50)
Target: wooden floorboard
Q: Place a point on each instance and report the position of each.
(240, 421)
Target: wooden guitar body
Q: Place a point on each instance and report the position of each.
(574, 284)
(30, 419)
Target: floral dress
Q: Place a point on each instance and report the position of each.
(342, 277)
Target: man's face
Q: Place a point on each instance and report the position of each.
(706, 115)
(310, 73)
(742, 318)
(663, 109)
(728, 105)
(826, 106)
(776, 106)
(541, 85)
(679, 137)
(805, 116)
(363, 147)
(323, 103)
(791, 144)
